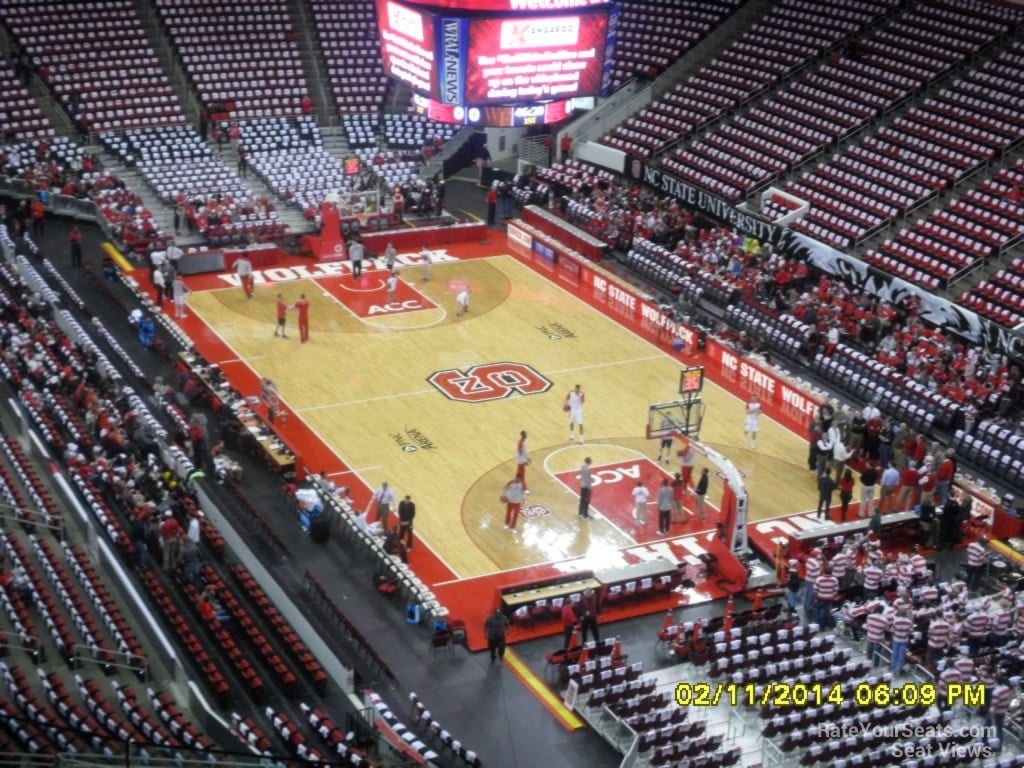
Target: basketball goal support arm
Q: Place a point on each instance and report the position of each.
(736, 533)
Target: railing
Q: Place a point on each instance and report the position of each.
(626, 740)
(24, 760)
(622, 104)
(533, 151)
(436, 163)
(153, 757)
(323, 601)
(59, 204)
(90, 654)
(17, 645)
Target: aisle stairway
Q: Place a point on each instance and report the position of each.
(169, 61)
(58, 118)
(313, 65)
(591, 128)
(287, 214)
(163, 214)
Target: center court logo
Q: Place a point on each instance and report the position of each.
(535, 510)
(492, 381)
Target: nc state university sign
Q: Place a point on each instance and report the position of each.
(491, 381)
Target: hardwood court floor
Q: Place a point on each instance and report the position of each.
(361, 383)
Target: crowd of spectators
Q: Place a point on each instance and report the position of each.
(959, 631)
(210, 214)
(986, 383)
(897, 470)
(61, 167)
(611, 208)
(111, 444)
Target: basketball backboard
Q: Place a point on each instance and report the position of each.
(677, 417)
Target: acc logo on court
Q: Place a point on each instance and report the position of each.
(492, 381)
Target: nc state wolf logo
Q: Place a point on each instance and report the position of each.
(492, 381)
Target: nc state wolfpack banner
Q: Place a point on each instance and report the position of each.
(937, 310)
(705, 202)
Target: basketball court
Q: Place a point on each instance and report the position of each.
(411, 393)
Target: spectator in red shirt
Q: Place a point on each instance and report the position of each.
(197, 436)
(38, 214)
(209, 609)
(568, 623)
(206, 610)
(398, 204)
(170, 539)
(76, 247)
(846, 483)
(909, 479)
(492, 206)
(944, 477)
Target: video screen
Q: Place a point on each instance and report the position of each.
(519, 6)
(531, 59)
(481, 61)
(503, 116)
(407, 41)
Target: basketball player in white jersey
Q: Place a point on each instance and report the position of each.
(463, 301)
(392, 287)
(752, 422)
(425, 254)
(574, 405)
(522, 458)
(665, 448)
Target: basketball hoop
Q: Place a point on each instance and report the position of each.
(681, 420)
(678, 417)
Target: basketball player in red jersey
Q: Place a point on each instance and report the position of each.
(302, 305)
(282, 317)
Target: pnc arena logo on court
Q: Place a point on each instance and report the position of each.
(491, 381)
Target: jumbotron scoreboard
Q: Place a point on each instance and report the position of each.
(499, 62)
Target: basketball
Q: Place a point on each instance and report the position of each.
(565, 407)
(681, 452)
